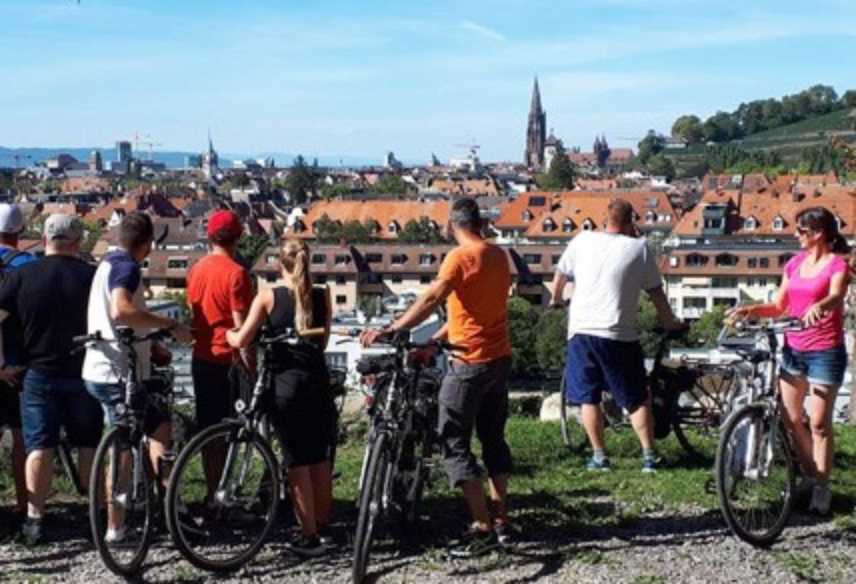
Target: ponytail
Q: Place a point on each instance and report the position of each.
(302, 291)
(839, 245)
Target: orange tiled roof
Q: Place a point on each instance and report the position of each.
(472, 187)
(85, 184)
(384, 212)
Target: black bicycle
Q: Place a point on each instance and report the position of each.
(224, 530)
(123, 485)
(401, 441)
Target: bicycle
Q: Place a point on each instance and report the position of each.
(402, 439)
(690, 399)
(755, 464)
(122, 482)
(225, 533)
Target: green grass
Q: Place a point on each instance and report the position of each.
(836, 121)
(804, 566)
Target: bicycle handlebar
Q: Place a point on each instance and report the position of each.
(124, 336)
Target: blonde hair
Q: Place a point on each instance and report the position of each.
(294, 257)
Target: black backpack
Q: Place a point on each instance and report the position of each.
(6, 262)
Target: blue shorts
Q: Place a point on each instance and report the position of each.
(825, 367)
(594, 364)
(48, 403)
(112, 394)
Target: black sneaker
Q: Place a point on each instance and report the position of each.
(306, 547)
(506, 534)
(474, 544)
(325, 535)
(31, 532)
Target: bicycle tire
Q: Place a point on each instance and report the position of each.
(69, 467)
(371, 504)
(97, 514)
(183, 533)
(726, 460)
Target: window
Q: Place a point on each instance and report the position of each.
(527, 215)
(673, 261)
(374, 258)
(726, 302)
(270, 278)
(340, 280)
(176, 264)
(145, 265)
(714, 223)
(751, 224)
(588, 225)
(696, 260)
(785, 258)
(337, 360)
(778, 224)
(567, 226)
(726, 259)
(752, 262)
(556, 258)
(319, 258)
(549, 225)
(764, 262)
(341, 299)
(424, 279)
(724, 282)
(342, 259)
(396, 278)
(762, 282)
(650, 217)
(271, 259)
(538, 201)
(392, 227)
(398, 259)
(320, 278)
(532, 258)
(426, 259)
(695, 302)
(178, 283)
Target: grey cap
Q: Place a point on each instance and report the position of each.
(11, 219)
(63, 228)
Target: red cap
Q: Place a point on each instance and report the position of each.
(225, 220)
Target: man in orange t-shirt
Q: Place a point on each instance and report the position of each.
(219, 293)
(474, 280)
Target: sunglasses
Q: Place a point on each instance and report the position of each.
(804, 231)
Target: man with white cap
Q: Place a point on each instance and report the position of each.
(46, 305)
(11, 226)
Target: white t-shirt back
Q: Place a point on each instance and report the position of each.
(609, 271)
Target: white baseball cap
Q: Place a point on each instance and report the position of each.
(63, 227)
(11, 219)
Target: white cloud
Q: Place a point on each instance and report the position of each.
(482, 30)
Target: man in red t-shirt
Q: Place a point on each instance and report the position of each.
(219, 293)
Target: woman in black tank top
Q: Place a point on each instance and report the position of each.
(302, 399)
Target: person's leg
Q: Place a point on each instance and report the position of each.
(40, 421)
(793, 391)
(584, 382)
(303, 499)
(592, 417)
(490, 428)
(212, 390)
(623, 364)
(84, 423)
(159, 443)
(643, 425)
(822, 409)
(19, 461)
(39, 471)
(321, 476)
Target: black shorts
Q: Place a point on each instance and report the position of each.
(10, 407)
(213, 392)
(304, 416)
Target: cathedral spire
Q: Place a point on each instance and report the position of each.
(536, 131)
(535, 108)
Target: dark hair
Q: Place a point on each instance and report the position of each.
(620, 213)
(136, 230)
(224, 237)
(466, 215)
(820, 219)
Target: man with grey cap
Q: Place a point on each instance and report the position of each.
(45, 304)
(11, 226)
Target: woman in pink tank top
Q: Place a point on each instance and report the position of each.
(813, 360)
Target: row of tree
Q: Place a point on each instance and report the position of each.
(354, 232)
(760, 115)
(304, 183)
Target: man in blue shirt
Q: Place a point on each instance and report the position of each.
(11, 226)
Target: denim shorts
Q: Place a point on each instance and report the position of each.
(112, 394)
(48, 403)
(825, 367)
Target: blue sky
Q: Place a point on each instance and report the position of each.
(362, 77)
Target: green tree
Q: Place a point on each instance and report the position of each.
(523, 330)
(561, 174)
(251, 247)
(647, 323)
(335, 191)
(651, 145)
(327, 230)
(659, 165)
(705, 330)
(179, 298)
(551, 340)
(391, 185)
(421, 231)
(688, 128)
(92, 232)
(355, 232)
(301, 181)
(849, 98)
(721, 127)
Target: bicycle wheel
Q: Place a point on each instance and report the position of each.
(371, 504)
(754, 475)
(122, 496)
(223, 533)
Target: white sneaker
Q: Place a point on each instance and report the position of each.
(821, 499)
(115, 535)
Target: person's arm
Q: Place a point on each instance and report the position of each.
(837, 291)
(328, 318)
(557, 290)
(773, 309)
(442, 334)
(241, 337)
(426, 304)
(664, 311)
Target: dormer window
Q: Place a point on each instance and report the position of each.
(527, 215)
(588, 225)
(271, 259)
(650, 217)
(778, 223)
(567, 226)
(549, 225)
(839, 222)
(298, 227)
(426, 259)
(318, 258)
(751, 224)
(393, 227)
(398, 259)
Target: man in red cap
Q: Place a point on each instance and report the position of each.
(219, 293)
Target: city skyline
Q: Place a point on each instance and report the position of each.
(360, 80)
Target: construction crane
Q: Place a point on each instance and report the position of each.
(146, 141)
(472, 147)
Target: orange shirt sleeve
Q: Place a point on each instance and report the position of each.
(241, 292)
(452, 269)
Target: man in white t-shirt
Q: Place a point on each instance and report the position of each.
(609, 270)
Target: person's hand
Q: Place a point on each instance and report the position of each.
(11, 375)
(422, 356)
(737, 313)
(370, 336)
(161, 356)
(814, 315)
(232, 338)
(674, 324)
(182, 334)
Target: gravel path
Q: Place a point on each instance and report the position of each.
(692, 547)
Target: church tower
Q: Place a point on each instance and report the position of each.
(536, 132)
